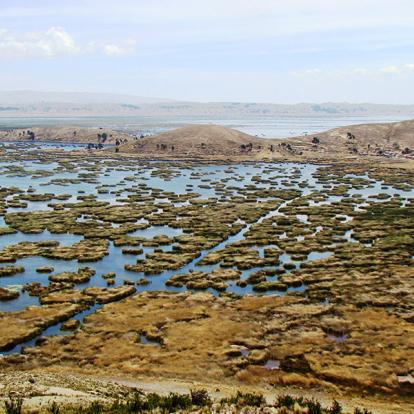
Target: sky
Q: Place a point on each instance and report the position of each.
(280, 51)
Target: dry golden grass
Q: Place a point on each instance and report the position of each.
(199, 336)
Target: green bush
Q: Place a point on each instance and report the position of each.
(173, 402)
(242, 399)
(14, 405)
(285, 401)
(362, 411)
(94, 408)
(135, 404)
(335, 408)
(53, 408)
(141, 403)
(314, 407)
(200, 398)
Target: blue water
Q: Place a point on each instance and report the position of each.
(116, 180)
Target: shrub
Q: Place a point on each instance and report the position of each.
(314, 407)
(200, 397)
(94, 408)
(362, 411)
(285, 401)
(140, 403)
(135, 405)
(242, 399)
(53, 408)
(173, 402)
(335, 408)
(151, 402)
(14, 405)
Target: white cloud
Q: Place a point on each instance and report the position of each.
(54, 42)
(189, 20)
(391, 69)
(306, 72)
(398, 69)
(116, 50)
(359, 71)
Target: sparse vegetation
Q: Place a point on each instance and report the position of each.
(312, 406)
(244, 399)
(200, 397)
(94, 408)
(362, 411)
(13, 405)
(141, 403)
(198, 401)
(54, 408)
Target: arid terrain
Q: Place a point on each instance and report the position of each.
(395, 140)
(205, 258)
(63, 135)
(213, 142)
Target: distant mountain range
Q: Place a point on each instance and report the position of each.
(50, 104)
(28, 97)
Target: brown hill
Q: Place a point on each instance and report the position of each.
(218, 142)
(214, 141)
(401, 133)
(64, 134)
(388, 139)
(198, 140)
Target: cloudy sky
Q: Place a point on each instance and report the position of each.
(283, 51)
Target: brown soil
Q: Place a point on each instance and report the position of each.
(353, 143)
(386, 143)
(66, 134)
(195, 140)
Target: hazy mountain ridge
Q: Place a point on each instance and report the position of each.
(27, 97)
(32, 103)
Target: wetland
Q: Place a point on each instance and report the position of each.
(276, 273)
